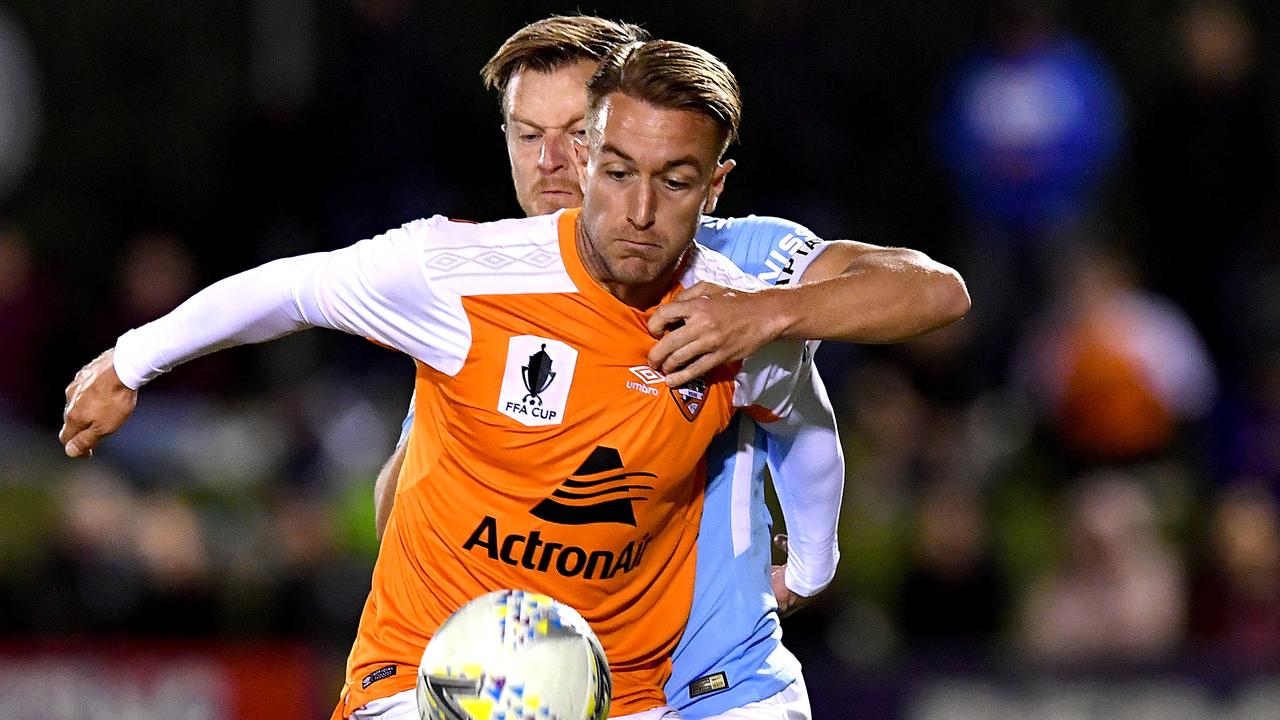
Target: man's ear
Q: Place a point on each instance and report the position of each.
(717, 185)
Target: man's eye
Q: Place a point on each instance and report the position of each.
(677, 185)
(529, 137)
(617, 174)
(580, 133)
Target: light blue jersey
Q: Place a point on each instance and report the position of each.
(731, 653)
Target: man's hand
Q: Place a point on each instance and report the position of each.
(97, 405)
(709, 325)
(788, 601)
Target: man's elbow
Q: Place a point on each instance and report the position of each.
(942, 298)
(952, 296)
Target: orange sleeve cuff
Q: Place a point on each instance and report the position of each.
(760, 415)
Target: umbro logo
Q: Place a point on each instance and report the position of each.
(690, 397)
(599, 491)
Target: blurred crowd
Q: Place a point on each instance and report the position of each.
(1083, 473)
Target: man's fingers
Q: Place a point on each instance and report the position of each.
(687, 348)
(780, 543)
(693, 291)
(82, 444)
(693, 371)
(668, 314)
(703, 288)
(669, 344)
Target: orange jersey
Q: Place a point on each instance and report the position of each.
(547, 456)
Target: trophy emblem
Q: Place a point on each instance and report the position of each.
(537, 375)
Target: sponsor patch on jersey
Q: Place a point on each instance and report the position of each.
(690, 398)
(601, 490)
(708, 684)
(379, 674)
(535, 384)
(795, 248)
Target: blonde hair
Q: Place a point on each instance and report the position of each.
(555, 42)
(671, 75)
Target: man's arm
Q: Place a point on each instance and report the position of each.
(852, 292)
(807, 466)
(779, 389)
(384, 490)
(362, 289)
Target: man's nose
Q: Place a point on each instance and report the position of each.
(640, 211)
(554, 154)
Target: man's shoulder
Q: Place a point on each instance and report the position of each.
(503, 256)
(713, 231)
(441, 232)
(773, 249)
(707, 265)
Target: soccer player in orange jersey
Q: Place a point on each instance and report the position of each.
(529, 335)
(730, 662)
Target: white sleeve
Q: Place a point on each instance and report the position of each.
(768, 378)
(807, 465)
(375, 288)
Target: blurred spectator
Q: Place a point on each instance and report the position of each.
(92, 580)
(1249, 431)
(1031, 124)
(156, 275)
(954, 595)
(1029, 127)
(1207, 166)
(1114, 368)
(1117, 596)
(26, 324)
(157, 272)
(1236, 603)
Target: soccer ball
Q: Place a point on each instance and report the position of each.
(514, 655)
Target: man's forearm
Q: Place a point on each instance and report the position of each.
(808, 473)
(861, 293)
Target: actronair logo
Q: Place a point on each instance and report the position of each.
(533, 553)
(599, 491)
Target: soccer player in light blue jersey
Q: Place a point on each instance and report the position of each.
(730, 662)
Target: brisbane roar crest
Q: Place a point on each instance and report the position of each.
(690, 398)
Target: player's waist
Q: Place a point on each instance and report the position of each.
(634, 690)
(725, 680)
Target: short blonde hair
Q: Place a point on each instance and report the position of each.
(671, 75)
(555, 42)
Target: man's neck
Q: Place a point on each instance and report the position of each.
(639, 296)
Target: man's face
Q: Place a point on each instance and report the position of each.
(544, 112)
(648, 174)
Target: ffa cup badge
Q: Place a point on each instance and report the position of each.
(536, 380)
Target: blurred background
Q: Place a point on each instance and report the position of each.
(1063, 506)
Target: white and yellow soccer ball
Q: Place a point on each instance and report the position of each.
(514, 655)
